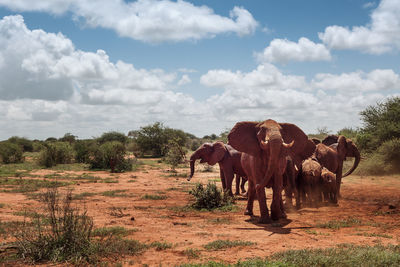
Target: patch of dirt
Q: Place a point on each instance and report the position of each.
(368, 214)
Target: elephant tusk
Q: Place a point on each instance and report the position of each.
(264, 144)
(288, 145)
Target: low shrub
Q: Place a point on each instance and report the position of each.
(83, 149)
(56, 153)
(26, 144)
(110, 155)
(66, 235)
(385, 160)
(11, 152)
(210, 197)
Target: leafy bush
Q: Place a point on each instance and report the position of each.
(56, 153)
(385, 160)
(154, 139)
(175, 155)
(110, 155)
(26, 144)
(83, 149)
(66, 236)
(381, 123)
(68, 137)
(210, 197)
(11, 152)
(113, 136)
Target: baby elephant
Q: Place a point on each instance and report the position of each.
(309, 181)
(329, 188)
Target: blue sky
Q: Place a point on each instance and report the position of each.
(87, 67)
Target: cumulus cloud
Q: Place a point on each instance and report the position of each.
(381, 35)
(326, 100)
(49, 84)
(283, 51)
(50, 67)
(147, 20)
(184, 80)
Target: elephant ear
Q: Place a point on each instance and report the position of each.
(303, 147)
(330, 139)
(243, 138)
(218, 153)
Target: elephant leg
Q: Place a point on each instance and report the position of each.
(222, 175)
(277, 203)
(338, 183)
(229, 175)
(237, 184)
(288, 197)
(243, 190)
(262, 202)
(250, 199)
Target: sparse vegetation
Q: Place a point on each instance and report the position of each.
(154, 197)
(192, 253)
(223, 244)
(337, 224)
(210, 197)
(160, 245)
(115, 193)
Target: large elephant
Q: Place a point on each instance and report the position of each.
(332, 157)
(229, 163)
(265, 146)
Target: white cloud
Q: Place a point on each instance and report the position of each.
(381, 35)
(357, 82)
(147, 20)
(52, 88)
(184, 80)
(283, 51)
(327, 100)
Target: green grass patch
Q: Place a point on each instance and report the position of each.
(17, 169)
(374, 235)
(337, 224)
(70, 167)
(112, 231)
(154, 197)
(192, 253)
(83, 195)
(115, 193)
(28, 185)
(346, 255)
(223, 244)
(160, 245)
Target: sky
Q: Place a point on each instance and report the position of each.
(88, 67)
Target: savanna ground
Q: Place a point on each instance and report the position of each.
(151, 203)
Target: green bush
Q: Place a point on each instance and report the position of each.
(26, 144)
(11, 152)
(56, 153)
(385, 160)
(210, 197)
(113, 136)
(110, 155)
(175, 155)
(65, 237)
(83, 149)
(153, 139)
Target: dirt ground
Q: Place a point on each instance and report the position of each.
(369, 205)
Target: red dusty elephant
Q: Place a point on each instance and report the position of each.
(331, 156)
(265, 146)
(228, 159)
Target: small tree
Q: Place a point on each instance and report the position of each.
(176, 154)
(56, 153)
(11, 152)
(110, 155)
(113, 136)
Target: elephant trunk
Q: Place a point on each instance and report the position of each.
(356, 161)
(274, 148)
(193, 158)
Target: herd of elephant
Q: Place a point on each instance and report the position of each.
(281, 156)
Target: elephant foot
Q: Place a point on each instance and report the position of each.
(248, 212)
(278, 215)
(237, 193)
(264, 220)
